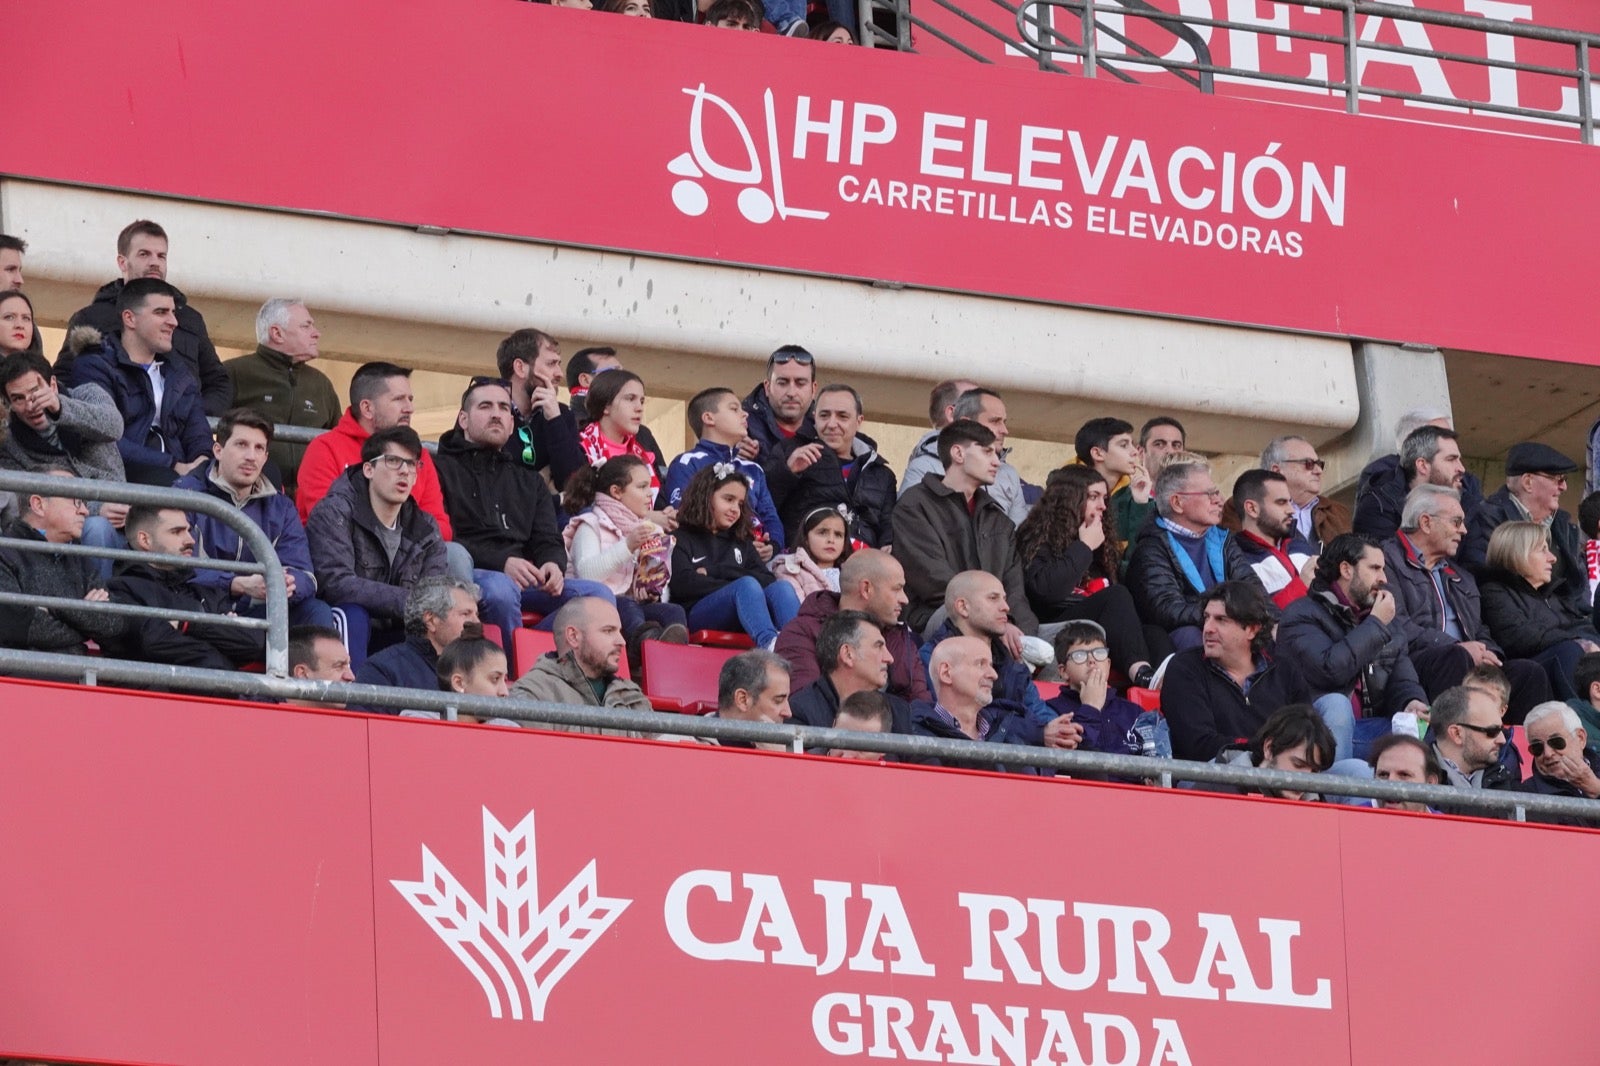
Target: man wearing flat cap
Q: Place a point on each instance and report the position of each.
(1536, 475)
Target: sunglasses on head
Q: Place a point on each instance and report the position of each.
(802, 357)
(1556, 742)
(482, 380)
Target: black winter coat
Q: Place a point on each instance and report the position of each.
(1333, 650)
(817, 704)
(352, 566)
(763, 425)
(1526, 620)
(723, 558)
(869, 494)
(1381, 498)
(190, 343)
(138, 583)
(1163, 594)
(1008, 724)
(45, 573)
(1571, 580)
(1419, 604)
(1207, 711)
(410, 664)
(499, 508)
(1052, 578)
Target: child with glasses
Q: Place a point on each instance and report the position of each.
(1084, 661)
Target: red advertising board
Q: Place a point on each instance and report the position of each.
(540, 122)
(1263, 41)
(193, 882)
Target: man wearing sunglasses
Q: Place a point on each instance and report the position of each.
(1536, 476)
(1316, 520)
(780, 407)
(1563, 764)
(1467, 738)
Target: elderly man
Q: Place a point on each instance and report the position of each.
(854, 657)
(753, 686)
(1563, 763)
(1345, 639)
(1439, 605)
(964, 706)
(1536, 476)
(1182, 553)
(1467, 737)
(437, 611)
(870, 581)
(583, 668)
(278, 382)
(1316, 520)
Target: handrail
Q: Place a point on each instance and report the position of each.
(1038, 37)
(267, 562)
(798, 738)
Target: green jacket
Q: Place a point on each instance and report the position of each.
(269, 383)
(1128, 516)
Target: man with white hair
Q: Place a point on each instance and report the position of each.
(1433, 459)
(1563, 764)
(1317, 520)
(277, 381)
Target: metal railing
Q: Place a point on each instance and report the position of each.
(1040, 35)
(798, 738)
(267, 563)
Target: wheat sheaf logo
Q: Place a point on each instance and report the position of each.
(515, 949)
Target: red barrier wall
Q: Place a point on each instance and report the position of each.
(541, 122)
(199, 882)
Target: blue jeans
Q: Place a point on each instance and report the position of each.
(310, 612)
(1351, 735)
(501, 603)
(1356, 768)
(781, 13)
(99, 533)
(744, 605)
(1559, 662)
(635, 615)
(360, 638)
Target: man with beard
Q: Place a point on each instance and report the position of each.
(1430, 454)
(546, 434)
(780, 407)
(1266, 536)
(582, 671)
(1344, 639)
(438, 611)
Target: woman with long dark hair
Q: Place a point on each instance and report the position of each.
(1068, 547)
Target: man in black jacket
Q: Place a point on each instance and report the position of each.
(503, 513)
(1344, 638)
(218, 646)
(439, 610)
(370, 542)
(1430, 454)
(1439, 605)
(546, 436)
(1536, 475)
(780, 407)
(142, 253)
(853, 657)
(1218, 695)
(837, 466)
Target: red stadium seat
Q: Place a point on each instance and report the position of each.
(721, 638)
(1148, 698)
(1519, 737)
(529, 645)
(1048, 690)
(683, 678)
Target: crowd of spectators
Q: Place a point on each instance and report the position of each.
(1401, 640)
(832, 22)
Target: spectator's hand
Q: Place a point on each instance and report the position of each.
(1140, 484)
(666, 518)
(288, 583)
(524, 573)
(1571, 768)
(640, 535)
(764, 548)
(1093, 693)
(1480, 653)
(185, 468)
(252, 585)
(98, 596)
(1308, 572)
(115, 513)
(1418, 708)
(543, 398)
(748, 448)
(804, 457)
(1012, 639)
(1383, 606)
(551, 579)
(1063, 733)
(1093, 534)
(1589, 645)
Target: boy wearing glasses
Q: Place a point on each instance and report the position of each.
(1102, 717)
(1317, 521)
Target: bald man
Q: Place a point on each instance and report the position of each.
(975, 605)
(869, 581)
(583, 668)
(965, 708)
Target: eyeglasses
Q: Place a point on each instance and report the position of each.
(1083, 655)
(396, 462)
(1309, 464)
(1557, 742)
(1490, 731)
(1559, 479)
(1212, 494)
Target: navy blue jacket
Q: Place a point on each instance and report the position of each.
(1007, 725)
(817, 704)
(1015, 684)
(153, 441)
(1207, 711)
(410, 664)
(271, 511)
(1381, 497)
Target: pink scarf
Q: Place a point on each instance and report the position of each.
(612, 522)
